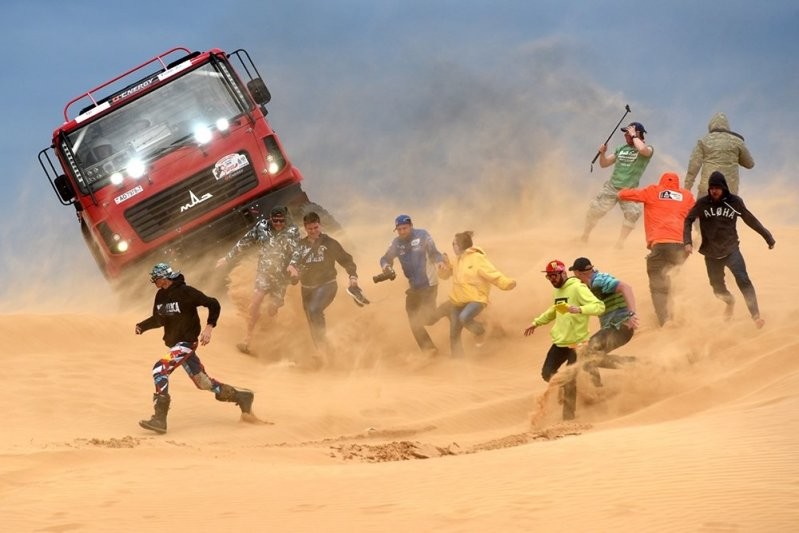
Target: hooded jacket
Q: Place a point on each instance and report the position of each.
(472, 277)
(665, 207)
(571, 329)
(717, 220)
(175, 308)
(722, 150)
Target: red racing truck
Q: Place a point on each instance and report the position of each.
(171, 159)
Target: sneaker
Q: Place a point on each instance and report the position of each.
(357, 296)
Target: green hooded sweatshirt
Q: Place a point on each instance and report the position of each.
(571, 329)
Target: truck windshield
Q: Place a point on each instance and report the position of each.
(116, 145)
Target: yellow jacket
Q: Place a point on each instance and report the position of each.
(472, 277)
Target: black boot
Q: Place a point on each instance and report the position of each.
(157, 422)
(242, 397)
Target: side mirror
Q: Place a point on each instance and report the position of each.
(64, 188)
(259, 92)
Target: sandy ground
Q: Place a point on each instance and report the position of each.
(701, 434)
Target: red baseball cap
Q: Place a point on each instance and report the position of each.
(555, 266)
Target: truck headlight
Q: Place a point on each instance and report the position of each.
(136, 168)
(222, 124)
(202, 134)
(272, 166)
(116, 244)
(275, 161)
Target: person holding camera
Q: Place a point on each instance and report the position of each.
(420, 261)
(629, 160)
(472, 276)
(319, 254)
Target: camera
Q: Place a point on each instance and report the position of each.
(387, 274)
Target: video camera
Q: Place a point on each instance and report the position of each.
(387, 274)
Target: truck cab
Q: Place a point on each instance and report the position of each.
(170, 159)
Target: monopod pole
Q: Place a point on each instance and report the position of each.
(627, 110)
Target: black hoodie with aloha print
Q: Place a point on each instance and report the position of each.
(717, 221)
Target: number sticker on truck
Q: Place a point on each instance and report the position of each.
(127, 195)
(229, 166)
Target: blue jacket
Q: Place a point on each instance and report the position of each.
(417, 255)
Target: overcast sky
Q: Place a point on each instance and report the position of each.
(405, 98)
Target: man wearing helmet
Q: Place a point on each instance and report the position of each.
(175, 309)
(573, 304)
(629, 160)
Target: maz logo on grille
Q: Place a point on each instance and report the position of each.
(195, 200)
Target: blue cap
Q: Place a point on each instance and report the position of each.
(638, 127)
(402, 219)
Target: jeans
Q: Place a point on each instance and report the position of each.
(420, 306)
(661, 259)
(735, 262)
(608, 339)
(462, 316)
(314, 302)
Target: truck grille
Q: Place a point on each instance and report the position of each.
(187, 201)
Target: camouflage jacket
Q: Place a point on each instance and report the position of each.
(278, 249)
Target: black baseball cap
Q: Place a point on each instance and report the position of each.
(581, 264)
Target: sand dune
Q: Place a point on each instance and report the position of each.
(700, 434)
